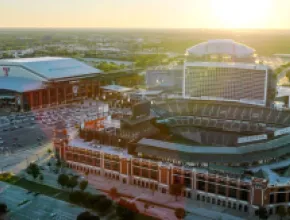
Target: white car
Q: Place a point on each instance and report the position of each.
(52, 214)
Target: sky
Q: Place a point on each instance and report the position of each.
(264, 14)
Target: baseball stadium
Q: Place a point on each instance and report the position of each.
(226, 147)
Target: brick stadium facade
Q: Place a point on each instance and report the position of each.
(218, 189)
(62, 93)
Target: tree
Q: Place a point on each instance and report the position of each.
(63, 180)
(180, 213)
(176, 190)
(49, 151)
(129, 205)
(83, 185)
(33, 170)
(104, 206)
(41, 178)
(58, 163)
(87, 216)
(86, 199)
(3, 210)
(113, 193)
(263, 213)
(72, 182)
(281, 211)
(124, 213)
(87, 174)
(76, 197)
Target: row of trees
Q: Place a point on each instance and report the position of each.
(144, 61)
(70, 181)
(98, 203)
(109, 66)
(282, 68)
(124, 209)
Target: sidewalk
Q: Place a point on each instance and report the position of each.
(162, 205)
(50, 179)
(18, 161)
(195, 207)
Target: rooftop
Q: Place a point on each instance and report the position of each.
(117, 88)
(148, 92)
(49, 68)
(32, 59)
(19, 84)
(227, 65)
(221, 46)
(246, 153)
(79, 143)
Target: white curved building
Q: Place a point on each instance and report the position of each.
(224, 70)
(223, 47)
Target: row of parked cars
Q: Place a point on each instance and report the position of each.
(71, 116)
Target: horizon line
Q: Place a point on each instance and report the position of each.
(147, 28)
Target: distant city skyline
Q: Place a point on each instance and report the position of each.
(262, 14)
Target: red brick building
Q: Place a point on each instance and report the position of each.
(245, 193)
(47, 81)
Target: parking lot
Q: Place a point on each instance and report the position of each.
(24, 137)
(27, 130)
(35, 207)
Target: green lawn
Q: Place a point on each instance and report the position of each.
(63, 196)
(43, 189)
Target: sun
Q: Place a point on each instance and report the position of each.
(241, 13)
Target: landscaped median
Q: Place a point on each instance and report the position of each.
(34, 187)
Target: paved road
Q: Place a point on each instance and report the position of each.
(26, 137)
(18, 161)
(39, 207)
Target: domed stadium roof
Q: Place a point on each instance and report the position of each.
(223, 46)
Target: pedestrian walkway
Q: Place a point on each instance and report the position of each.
(190, 205)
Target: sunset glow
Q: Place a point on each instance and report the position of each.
(241, 14)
